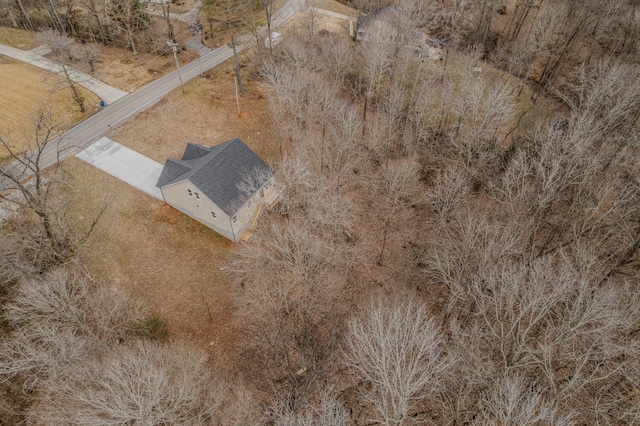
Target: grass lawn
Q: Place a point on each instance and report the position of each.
(26, 89)
(21, 39)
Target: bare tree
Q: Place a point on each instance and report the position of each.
(234, 10)
(398, 352)
(514, 401)
(242, 408)
(337, 59)
(65, 51)
(144, 383)
(376, 58)
(209, 7)
(289, 285)
(312, 16)
(290, 104)
(69, 299)
(166, 15)
(398, 187)
(269, 8)
(449, 190)
(327, 412)
(411, 18)
(41, 236)
(57, 321)
(97, 21)
(130, 16)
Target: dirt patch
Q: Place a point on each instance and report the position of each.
(26, 89)
(167, 214)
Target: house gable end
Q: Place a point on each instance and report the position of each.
(193, 151)
(173, 170)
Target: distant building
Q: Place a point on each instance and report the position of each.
(382, 26)
(377, 26)
(222, 187)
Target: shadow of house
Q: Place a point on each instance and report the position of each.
(222, 186)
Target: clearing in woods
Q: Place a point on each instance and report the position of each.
(168, 261)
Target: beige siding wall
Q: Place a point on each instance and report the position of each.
(245, 214)
(200, 208)
(178, 196)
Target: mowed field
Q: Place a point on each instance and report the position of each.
(27, 90)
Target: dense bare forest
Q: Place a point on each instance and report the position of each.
(457, 240)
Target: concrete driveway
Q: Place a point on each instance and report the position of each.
(125, 164)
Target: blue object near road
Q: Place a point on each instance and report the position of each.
(102, 103)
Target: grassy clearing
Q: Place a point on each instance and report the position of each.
(21, 39)
(26, 89)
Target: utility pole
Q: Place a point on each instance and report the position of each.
(174, 46)
(236, 65)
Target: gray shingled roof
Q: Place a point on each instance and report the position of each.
(216, 172)
(384, 13)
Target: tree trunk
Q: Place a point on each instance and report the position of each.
(132, 42)
(387, 222)
(236, 65)
(76, 94)
(26, 16)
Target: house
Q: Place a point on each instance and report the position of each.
(222, 187)
(383, 26)
(377, 26)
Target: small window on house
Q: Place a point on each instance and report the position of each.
(190, 193)
(197, 195)
(213, 214)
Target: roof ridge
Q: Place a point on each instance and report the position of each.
(216, 154)
(231, 141)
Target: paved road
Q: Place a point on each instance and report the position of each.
(99, 124)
